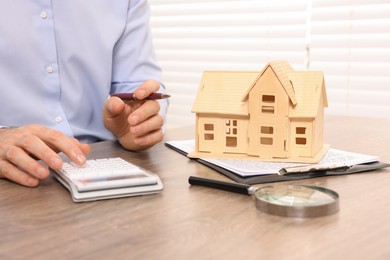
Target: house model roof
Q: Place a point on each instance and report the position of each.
(308, 87)
(226, 92)
(281, 69)
(220, 92)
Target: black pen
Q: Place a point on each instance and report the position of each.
(226, 186)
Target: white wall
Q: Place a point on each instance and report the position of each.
(347, 39)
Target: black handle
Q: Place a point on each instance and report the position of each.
(226, 186)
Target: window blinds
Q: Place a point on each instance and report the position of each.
(348, 40)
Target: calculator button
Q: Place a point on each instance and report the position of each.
(100, 168)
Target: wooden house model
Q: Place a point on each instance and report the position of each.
(274, 115)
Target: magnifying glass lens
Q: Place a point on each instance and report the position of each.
(297, 200)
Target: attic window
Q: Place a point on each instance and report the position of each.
(268, 99)
(267, 110)
(268, 104)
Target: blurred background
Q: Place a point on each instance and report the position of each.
(349, 40)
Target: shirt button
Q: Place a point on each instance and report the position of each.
(43, 15)
(49, 69)
(58, 119)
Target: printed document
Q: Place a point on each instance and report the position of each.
(246, 168)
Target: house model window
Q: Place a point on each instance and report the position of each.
(231, 133)
(301, 138)
(266, 135)
(275, 114)
(208, 132)
(268, 104)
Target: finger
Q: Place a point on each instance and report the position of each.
(38, 148)
(85, 148)
(151, 124)
(68, 146)
(149, 139)
(11, 172)
(147, 88)
(21, 159)
(147, 110)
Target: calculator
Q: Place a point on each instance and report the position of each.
(106, 178)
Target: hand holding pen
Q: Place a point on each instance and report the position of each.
(136, 125)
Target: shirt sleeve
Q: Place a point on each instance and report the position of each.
(134, 58)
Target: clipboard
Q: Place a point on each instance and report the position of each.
(268, 178)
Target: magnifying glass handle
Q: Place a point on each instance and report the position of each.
(226, 186)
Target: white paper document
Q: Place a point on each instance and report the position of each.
(246, 168)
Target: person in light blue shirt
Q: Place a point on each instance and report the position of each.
(59, 63)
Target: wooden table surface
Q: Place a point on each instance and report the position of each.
(185, 222)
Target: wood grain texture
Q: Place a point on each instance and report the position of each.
(185, 222)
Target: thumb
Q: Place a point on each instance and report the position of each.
(115, 114)
(113, 107)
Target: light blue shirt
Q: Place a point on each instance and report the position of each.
(60, 60)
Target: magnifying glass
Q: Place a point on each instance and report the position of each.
(302, 201)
